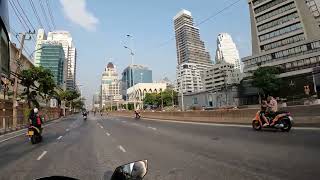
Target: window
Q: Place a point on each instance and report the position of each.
(279, 32)
(275, 12)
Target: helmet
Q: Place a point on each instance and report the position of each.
(35, 110)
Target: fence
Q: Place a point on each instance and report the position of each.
(6, 122)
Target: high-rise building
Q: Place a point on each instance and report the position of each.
(227, 51)
(52, 57)
(190, 48)
(65, 39)
(191, 52)
(135, 74)
(221, 76)
(110, 85)
(189, 78)
(286, 34)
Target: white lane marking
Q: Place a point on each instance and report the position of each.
(59, 137)
(101, 127)
(12, 137)
(107, 134)
(67, 129)
(124, 121)
(41, 156)
(152, 128)
(122, 149)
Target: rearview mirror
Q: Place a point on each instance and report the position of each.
(131, 171)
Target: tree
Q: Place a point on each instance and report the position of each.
(266, 80)
(166, 98)
(37, 81)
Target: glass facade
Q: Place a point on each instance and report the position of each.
(135, 74)
(52, 58)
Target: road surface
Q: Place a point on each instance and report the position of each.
(93, 149)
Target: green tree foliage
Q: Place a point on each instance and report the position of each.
(266, 80)
(37, 81)
(166, 97)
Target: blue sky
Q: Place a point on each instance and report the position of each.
(99, 29)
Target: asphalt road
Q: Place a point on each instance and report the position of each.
(93, 149)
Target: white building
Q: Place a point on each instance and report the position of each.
(110, 85)
(138, 92)
(227, 51)
(221, 76)
(64, 38)
(189, 78)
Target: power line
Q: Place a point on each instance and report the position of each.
(23, 12)
(45, 15)
(50, 14)
(202, 22)
(36, 13)
(219, 12)
(16, 13)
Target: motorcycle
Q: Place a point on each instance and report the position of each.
(138, 116)
(283, 121)
(85, 117)
(34, 134)
(132, 171)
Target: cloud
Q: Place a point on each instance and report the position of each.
(76, 11)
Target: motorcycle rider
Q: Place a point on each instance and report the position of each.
(35, 119)
(263, 110)
(84, 113)
(137, 113)
(272, 108)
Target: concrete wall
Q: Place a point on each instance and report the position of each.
(6, 115)
(303, 115)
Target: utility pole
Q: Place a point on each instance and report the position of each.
(15, 86)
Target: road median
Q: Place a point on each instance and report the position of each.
(304, 116)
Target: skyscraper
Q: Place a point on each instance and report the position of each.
(190, 48)
(227, 51)
(52, 58)
(110, 85)
(286, 34)
(65, 39)
(135, 74)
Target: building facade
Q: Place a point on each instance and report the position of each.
(52, 57)
(286, 34)
(189, 78)
(110, 85)
(137, 93)
(190, 49)
(221, 76)
(227, 51)
(65, 39)
(135, 74)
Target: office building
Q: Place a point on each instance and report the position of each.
(52, 57)
(189, 78)
(135, 74)
(227, 51)
(110, 85)
(221, 76)
(286, 34)
(65, 39)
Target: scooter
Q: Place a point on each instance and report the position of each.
(281, 120)
(34, 134)
(134, 170)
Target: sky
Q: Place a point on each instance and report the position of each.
(99, 29)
